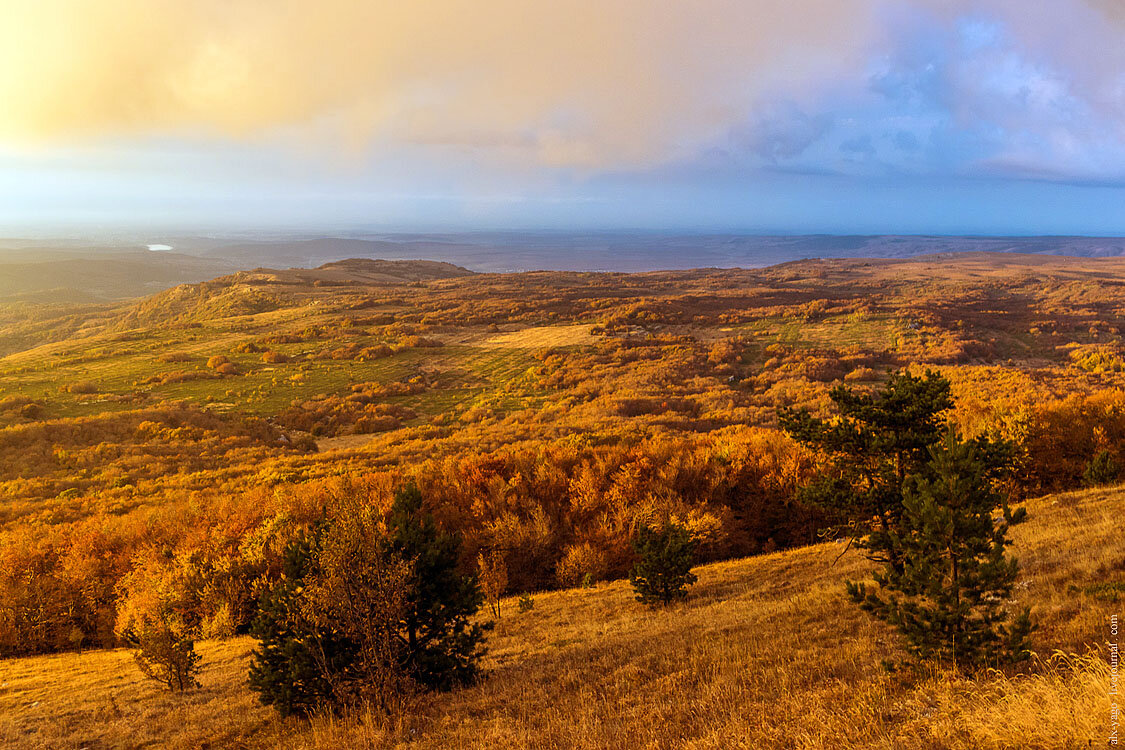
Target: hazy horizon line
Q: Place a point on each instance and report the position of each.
(366, 233)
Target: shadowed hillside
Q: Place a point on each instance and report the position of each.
(98, 276)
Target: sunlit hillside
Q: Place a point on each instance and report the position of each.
(765, 653)
(544, 413)
(710, 375)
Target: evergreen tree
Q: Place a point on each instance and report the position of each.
(875, 443)
(292, 667)
(1103, 469)
(924, 512)
(663, 571)
(287, 670)
(442, 647)
(947, 598)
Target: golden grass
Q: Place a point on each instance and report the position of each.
(100, 700)
(765, 654)
(541, 337)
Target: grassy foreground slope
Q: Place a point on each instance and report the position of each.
(765, 654)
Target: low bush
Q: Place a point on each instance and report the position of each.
(82, 386)
(581, 564)
(1103, 469)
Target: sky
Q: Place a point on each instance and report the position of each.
(763, 116)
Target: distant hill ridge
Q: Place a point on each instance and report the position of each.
(103, 276)
(49, 270)
(264, 289)
(356, 271)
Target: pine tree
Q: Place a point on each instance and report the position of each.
(875, 443)
(293, 665)
(1103, 469)
(442, 647)
(947, 597)
(663, 571)
(924, 512)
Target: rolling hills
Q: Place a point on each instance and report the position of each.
(120, 267)
(547, 414)
(98, 275)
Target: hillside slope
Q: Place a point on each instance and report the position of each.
(765, 654)
(267, 289)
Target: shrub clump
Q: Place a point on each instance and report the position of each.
(327, 629)
(180, 376)
(156, 618)
(81, 387)
(368, 609)
(20, 407)
(1103, 469)
(581, 564)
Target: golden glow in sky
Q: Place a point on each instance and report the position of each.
(577, 82)
(774, 114)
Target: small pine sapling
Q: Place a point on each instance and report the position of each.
(663, 571)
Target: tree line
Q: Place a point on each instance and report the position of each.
(561, 512)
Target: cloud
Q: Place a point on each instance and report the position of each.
(597, 82)
(780, 131)
(984, 89)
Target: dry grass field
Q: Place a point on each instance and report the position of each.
(542, 336)
(765, 653)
